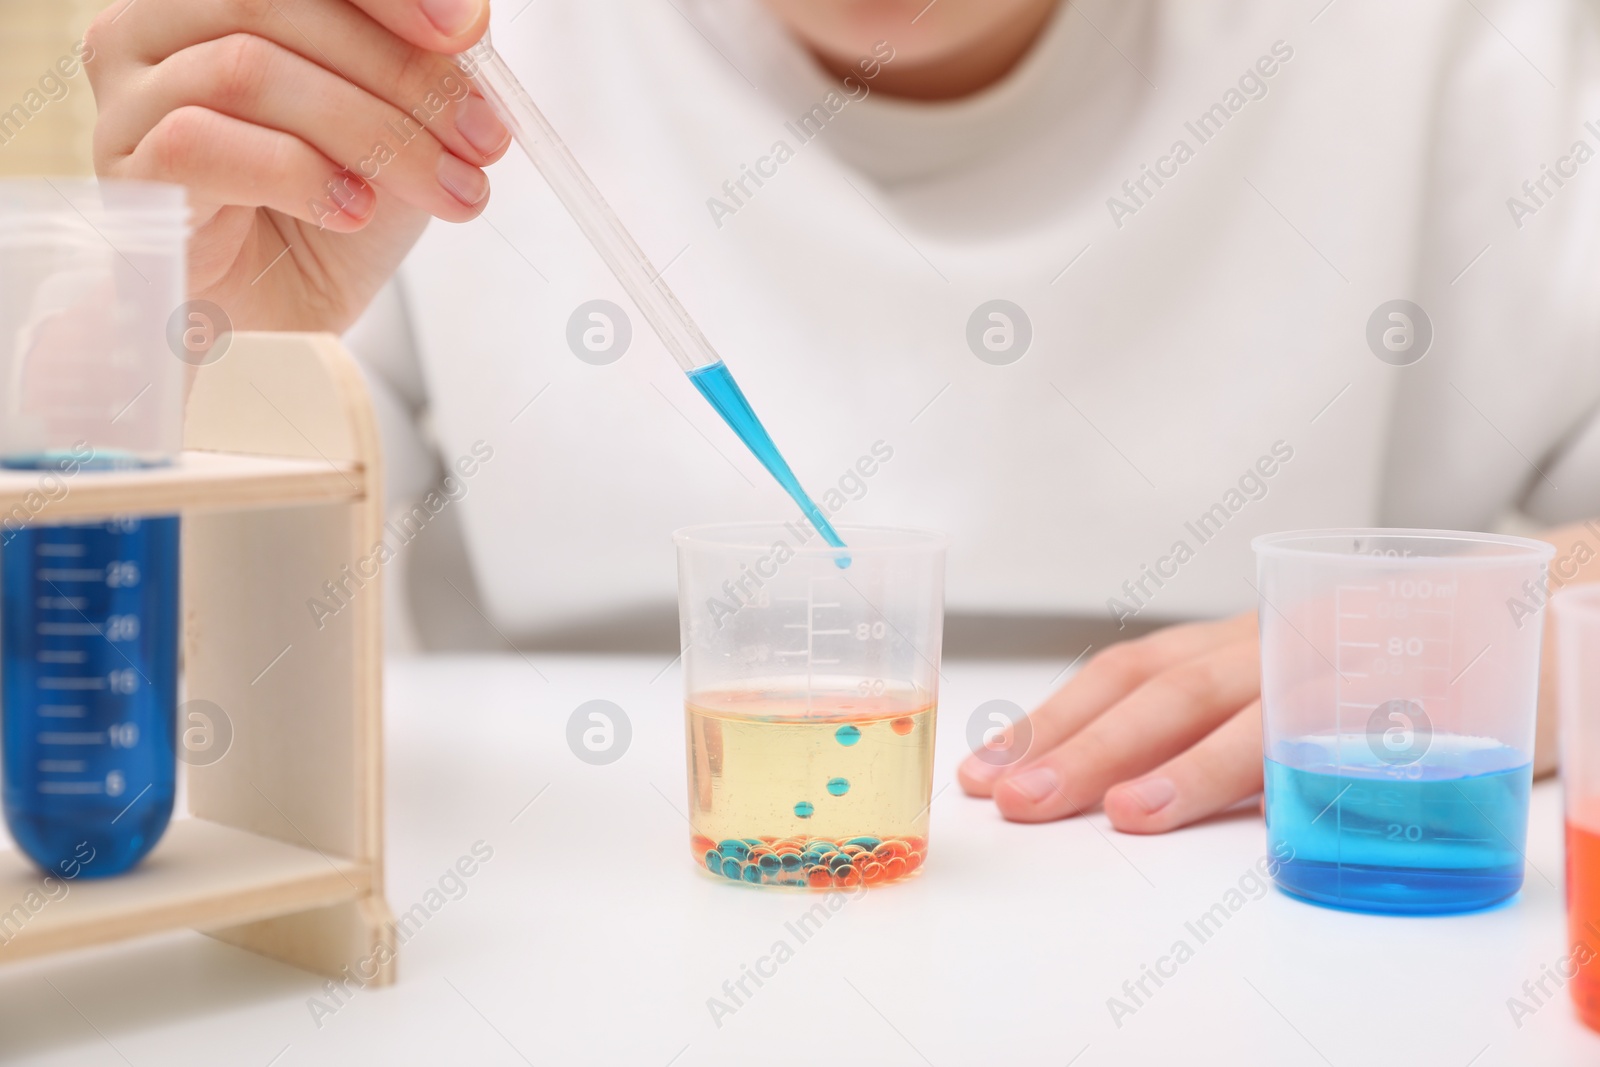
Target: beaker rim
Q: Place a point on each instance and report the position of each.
(130, 215)
(759, 536)
(1510, 548)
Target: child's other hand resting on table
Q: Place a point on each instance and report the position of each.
(1164, 730)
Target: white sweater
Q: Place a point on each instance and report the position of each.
(1200, 209)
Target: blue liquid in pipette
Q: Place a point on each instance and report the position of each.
(1420, 839)
(719, 388)
(89, 632)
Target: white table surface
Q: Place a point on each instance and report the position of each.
(589, 937)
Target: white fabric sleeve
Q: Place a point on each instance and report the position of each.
(1567, 487)
(1570, 488)
(382, 343)
(1503, 418)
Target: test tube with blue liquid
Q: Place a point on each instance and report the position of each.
(1399, 682)
(90, 273)
(632, 268)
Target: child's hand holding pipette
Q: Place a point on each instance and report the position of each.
(316, 138)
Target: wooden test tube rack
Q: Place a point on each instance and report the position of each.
(280, 489)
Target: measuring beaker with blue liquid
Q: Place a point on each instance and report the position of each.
(90, 274)
(1399, 682)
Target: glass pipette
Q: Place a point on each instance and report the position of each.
(642, 282)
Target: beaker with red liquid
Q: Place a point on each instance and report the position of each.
(1577, 615)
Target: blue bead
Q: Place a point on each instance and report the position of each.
(838, 786)
(847, 734)
(734, 849)
(713, 861)
(811, 859)
(838, 862)
(865, 842)
(820, 845)
(769, 863)
(752, 873)
(804, 809)
(790, 861)
(730, 868)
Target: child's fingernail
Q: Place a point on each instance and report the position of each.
(1034, 784)
(979, 771)
(477, 122)
(451, 17)
(1152, 794)
(462, 180)
(352, 196)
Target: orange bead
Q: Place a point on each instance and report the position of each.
(819, 878)
(896, 867)
(873, 872)
(889, 849)
(902, 725)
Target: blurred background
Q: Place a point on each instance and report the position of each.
(55, 139)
